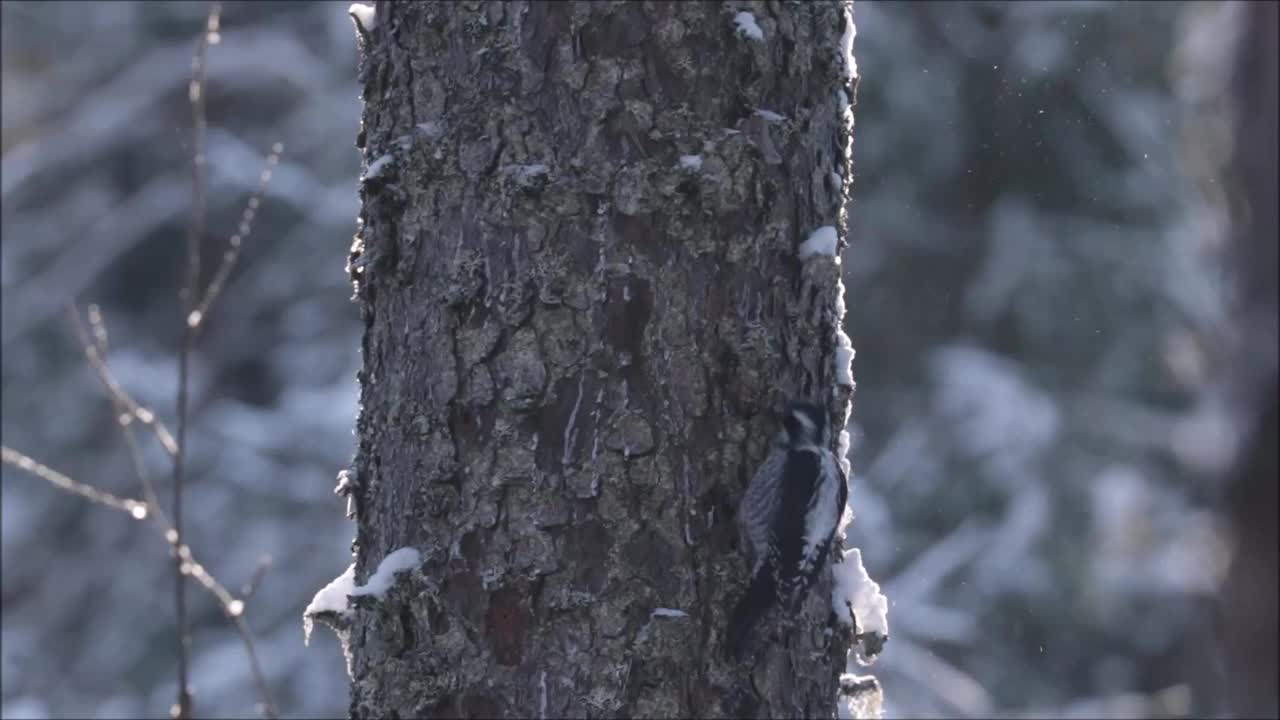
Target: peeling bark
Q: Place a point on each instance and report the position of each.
(576, 344)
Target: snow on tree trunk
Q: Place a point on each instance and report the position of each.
(577, 267)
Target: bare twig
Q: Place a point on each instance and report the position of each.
(260, 572)
(125, 407)
(99, 327)
(95, 352)
(136, 508)
(140, 468)
(233, 244)
(187, 298)
(95, 346)
(232, 606)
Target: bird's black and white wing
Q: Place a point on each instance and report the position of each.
(759, 505)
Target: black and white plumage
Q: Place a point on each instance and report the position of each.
(789, 517)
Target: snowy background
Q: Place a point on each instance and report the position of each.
(1029, 291)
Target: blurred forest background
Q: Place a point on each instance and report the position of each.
(1033, 295)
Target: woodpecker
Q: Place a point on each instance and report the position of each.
(789, 516)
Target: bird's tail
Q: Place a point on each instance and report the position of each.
(753, 606)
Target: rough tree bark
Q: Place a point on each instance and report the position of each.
(577, 267)
(1250, 594)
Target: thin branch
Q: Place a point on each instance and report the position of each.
(136, 508)
(140, 468)
(99, 327)
(260, 572)
(127, 410)
(233, 244)
(187, 297)
(95, 353)
(95, 347)
(232, 606)
(266, 707)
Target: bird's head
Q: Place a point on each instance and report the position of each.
(805, 425)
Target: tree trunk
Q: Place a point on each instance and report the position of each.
(583, 306)
(1249, 596)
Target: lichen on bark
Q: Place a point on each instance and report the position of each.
(575, 344)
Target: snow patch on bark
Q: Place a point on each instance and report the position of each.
(860, 698)
(366, 15)
(823, 241)
(745, 24)
(377, 166)
(856, 598)
(331, 598)
(844, 360)
(846, 45)
(691, 162)
(397, 562)
(335, 597)
(669, 613)
(770, 116)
